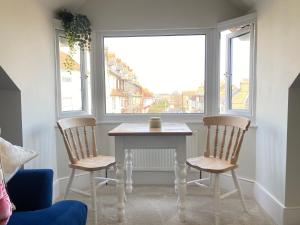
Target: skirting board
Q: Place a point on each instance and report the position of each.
(281, 214)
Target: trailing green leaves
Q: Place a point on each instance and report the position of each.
(77, 28)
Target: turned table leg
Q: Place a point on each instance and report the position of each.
(119, 153)
(181, 176)
(129, 166)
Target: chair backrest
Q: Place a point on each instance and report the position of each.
(228, 132)
(79, 137)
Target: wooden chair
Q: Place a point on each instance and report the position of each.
(228, 134)
(80, 141)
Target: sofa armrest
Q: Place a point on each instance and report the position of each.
(31, 189)
(68, 212)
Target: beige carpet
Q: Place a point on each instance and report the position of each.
(156, 205)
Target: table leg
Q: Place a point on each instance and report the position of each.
(129, 166)
(93, 197)
(217, 199)
(119, 154)
(181, 176)
(176, 172)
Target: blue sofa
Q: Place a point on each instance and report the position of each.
(31, 192)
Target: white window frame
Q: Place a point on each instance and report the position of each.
(249, 19)
(84, 90)
(228, 73)
(210, 76)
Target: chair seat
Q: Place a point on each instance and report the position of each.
(94, 163)
(211, 164)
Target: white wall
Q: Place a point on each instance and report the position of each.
(158, 14)
(26, 54)
(278, 49)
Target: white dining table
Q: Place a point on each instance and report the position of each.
(129, 136)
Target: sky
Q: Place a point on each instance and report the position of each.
(160, 62)
(240, 57)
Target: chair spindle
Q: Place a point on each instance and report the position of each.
(237, 151)
(236, 142)
(207, 152)
(229, 143)
(94, 142)
(67, 141)
(223, 142)
(216, 141)
(74, 144)
(79, 143)
(86, 142)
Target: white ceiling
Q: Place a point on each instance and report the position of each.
(244, 5)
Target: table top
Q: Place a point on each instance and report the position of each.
(142, 129)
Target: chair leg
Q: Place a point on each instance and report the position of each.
(93, 197)
(211, 184)
(217, 199)
(106, 175)
(188, 169)
(69, 183)
(238, 187)
(115, 168)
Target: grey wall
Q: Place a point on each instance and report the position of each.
(293, 145)
(10, 112)
(11, 116)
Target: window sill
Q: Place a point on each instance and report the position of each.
(131, 118)
(73, 114)
(117, 118)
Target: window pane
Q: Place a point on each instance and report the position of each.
(234, 69)
(240, 65)
(70, 77)
(155, 74)
(88, 81)
(223, 67)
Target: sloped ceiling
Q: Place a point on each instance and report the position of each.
(246, 5)
(75, 5)
(296, 83)
(6, 83)
(68, 4)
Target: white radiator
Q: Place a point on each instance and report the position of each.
(163, 159)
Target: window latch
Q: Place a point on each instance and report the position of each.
(84, 76)
(227, 74)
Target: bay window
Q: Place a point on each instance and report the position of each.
(179, 74)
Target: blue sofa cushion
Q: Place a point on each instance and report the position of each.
(31, 189)
(68, 212)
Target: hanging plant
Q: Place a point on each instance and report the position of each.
(78, 30)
